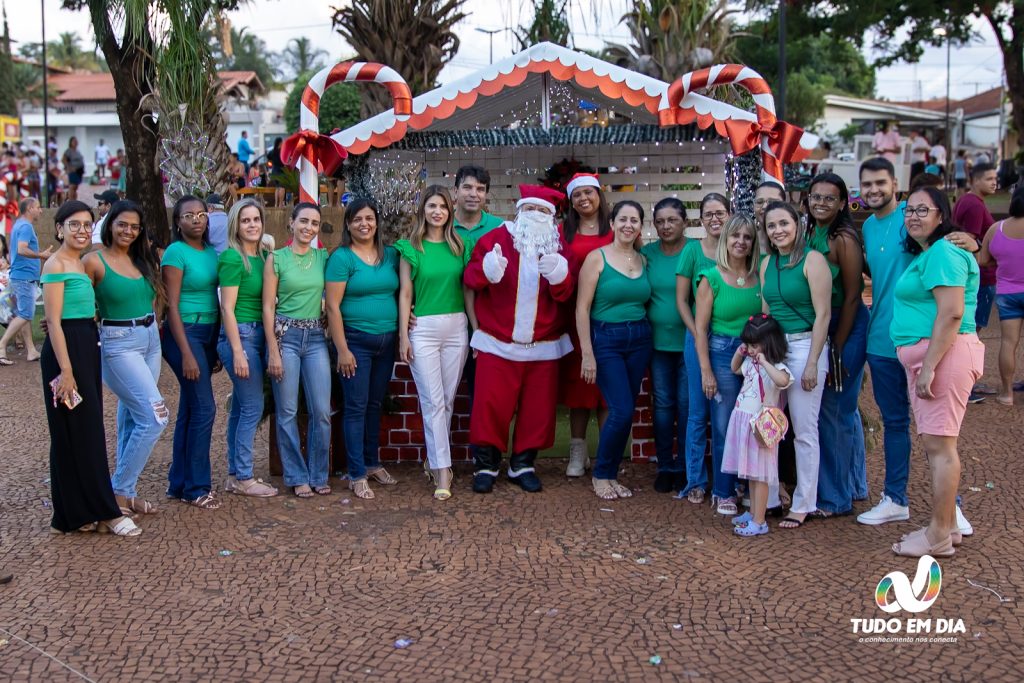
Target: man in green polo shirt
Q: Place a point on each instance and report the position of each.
(472, 184)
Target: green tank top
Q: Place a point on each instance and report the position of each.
(618, 298)
(123, 298)
(79, 297)
(788, 293)
(732, 306)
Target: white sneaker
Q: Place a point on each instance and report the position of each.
(885, 511)
(578, 458)
(962, 525)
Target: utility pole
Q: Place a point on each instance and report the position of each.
(490, 34)
(46, 119)
(780, 101)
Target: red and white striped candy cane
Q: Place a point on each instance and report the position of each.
(767, 123)
(309, 110)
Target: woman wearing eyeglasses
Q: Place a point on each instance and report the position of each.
(696, 257)
(842, 475)
(83, 499)
(189, 269)
(126, 277)
(935, 335)
(767, 192)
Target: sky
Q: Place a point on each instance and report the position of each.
(974, 68)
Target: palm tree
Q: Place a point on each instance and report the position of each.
(673, 37)
(414, 37)
(67, 52)
(300, 56)
(550, 23)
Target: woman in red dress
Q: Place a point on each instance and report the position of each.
(587, 227)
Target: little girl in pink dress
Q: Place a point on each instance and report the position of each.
(759, 359)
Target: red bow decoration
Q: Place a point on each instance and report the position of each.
(323, 151)
(11, 210)
(783, 138)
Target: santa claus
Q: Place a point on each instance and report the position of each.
(520, 276)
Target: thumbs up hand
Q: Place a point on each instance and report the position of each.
(554, 267)
(494, 265)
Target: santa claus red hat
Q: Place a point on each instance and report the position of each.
(541, 195)
(582, 180)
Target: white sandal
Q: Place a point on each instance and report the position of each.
(122, 527)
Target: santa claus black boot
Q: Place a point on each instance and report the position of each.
(520, 471)
(486, 461)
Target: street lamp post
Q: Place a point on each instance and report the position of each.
(46, 119)
(490, 34)
(942, 31)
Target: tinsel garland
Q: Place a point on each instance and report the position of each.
(747, 177)
(559, 135)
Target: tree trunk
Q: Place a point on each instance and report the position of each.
(1013, 64)
(133, 72)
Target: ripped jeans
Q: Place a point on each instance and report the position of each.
(131, 368)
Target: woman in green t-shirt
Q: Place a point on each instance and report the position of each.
(126, 277)
(727, 295)
(83, 499)
(796, 289)
(433, 259)
(362, 310)
(696, 257)
(189, 270)
(615, 337)
(293, 291)
(242, 345)
(933, 329)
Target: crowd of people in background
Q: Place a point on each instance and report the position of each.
(755, 335)
(56, 175)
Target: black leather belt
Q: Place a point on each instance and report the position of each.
(137, 322)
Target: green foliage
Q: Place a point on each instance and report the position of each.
(550, 24)
(8, 105)
(300, 56)
(339, 107)
(248, 53)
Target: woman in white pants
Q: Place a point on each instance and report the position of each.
(796, 288)
(433, 259)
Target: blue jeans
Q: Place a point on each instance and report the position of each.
(721, 349)
(986, 295)
(671, 402)
(698, 410)
(304, 357)
(246, 397)
(840, 433)
(889, 383)
(622, 352)
(364, 394)
(189, 476)
(131, 368)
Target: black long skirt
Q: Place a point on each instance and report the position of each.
(79, 478)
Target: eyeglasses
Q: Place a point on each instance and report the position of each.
(125, 225)
(823, 199)
(921, 211)
(78, 226)
(710, 215)
(198, 216)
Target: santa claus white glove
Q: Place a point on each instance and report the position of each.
(554, 267)
(494, 265)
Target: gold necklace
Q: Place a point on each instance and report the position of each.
(304, 261)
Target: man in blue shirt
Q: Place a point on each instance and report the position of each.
(218, 222)
(245, 150)
(24, 278)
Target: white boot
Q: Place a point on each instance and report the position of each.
(579, 460)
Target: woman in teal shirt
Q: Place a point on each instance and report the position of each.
(362, 310)
(126, 277)
(189, 339)
(727, 295)
(936, 340)
(293, 289)
(796, 288)
(433, 259)
(242, 345)
(83, 499)
(615, 337)
(668, 368)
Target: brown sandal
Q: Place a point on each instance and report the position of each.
(137, 506)
(382, 476)
(206, 501)
(361, 489)
(696, 496)
(324, 490)
(302, 491)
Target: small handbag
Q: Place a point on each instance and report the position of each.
(770, 424)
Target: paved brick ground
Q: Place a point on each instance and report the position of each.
(510, 587)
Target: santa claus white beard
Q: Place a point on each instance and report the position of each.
(534, 234)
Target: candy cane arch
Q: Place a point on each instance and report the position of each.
(779, 141)
(312, 146)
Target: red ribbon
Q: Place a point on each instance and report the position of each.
(783, 138)
(323, 151)
(11, 209)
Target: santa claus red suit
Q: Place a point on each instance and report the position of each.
(520, 276)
